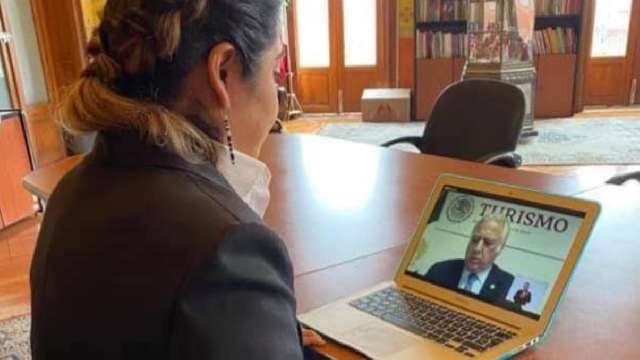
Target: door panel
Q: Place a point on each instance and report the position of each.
(636, 78)
(635, 82)
(607, 83)
(15, 202)
(609, 69)
(315, 90)
(45, 136)
(358, 80)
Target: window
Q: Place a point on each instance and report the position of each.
(312, 20)
(611, 28)
(360, 36)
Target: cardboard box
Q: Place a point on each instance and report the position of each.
(386, 105)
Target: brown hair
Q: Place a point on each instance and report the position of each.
(142, 52)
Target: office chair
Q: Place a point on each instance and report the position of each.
(477, 120)
(622, 179)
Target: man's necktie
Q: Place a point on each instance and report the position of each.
(471, 280)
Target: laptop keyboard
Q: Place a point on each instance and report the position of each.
(460, 332)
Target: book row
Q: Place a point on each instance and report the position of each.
(557, 7)
(555, 41)
(433, 45)
(441, 10)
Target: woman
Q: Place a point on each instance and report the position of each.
(153, 247)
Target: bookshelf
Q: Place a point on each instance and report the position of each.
(560, 23)
(454, 26)
(438, 64)
(441, 29)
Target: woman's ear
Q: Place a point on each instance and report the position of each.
(219, 64)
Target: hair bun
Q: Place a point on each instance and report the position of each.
(94, 47)
(104, 68)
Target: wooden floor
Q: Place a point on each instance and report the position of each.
(610, 111)
(17, 242)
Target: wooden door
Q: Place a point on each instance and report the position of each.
(15, 202)
(339, 49)
(610, 68)
(15, 161)
(39, 59)
(314, 56)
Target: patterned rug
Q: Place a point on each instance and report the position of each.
(589, 141)
(14, 338)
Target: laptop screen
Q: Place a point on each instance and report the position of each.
(504, 251)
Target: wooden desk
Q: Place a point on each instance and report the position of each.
(42, 181)
(334, 201)
(347, 210)
(599, 317)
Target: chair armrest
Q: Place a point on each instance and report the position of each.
(277, 128)
(413, 140)
(508, 159)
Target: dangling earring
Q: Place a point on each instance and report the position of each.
(227, 129)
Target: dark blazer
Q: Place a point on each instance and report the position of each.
(448, 273)
(145, 256)
(522, 297)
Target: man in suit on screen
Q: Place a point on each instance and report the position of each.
(522, 296)
(477, 273)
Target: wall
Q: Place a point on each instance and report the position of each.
(406, 44)
(92, 13)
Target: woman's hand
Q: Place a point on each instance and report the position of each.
(311, 338)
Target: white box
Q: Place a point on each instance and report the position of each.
(386, 105)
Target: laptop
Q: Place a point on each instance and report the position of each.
(481, 278)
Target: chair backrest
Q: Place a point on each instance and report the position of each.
(475, 118)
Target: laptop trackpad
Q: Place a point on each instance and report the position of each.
(379, 340)
(358, 330)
